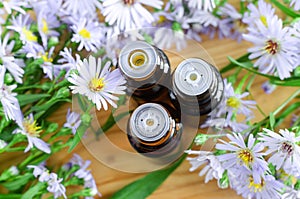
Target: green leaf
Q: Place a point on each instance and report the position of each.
(77, 137)
(143, 187)
(285, 9)
(48, 105)
(33, 191)
(231, 65)
(292, 81)
(272, 120)
(18, 182)
(10, 196)
(30, 98)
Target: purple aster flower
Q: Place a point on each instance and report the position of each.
(47, 22)
(86, 175)
(268, 187)
(212, 169)
(21, 24)
(129, 14)
(77, 7)
(234, 103)
(274, 48)
(68, 62)
(10, 104)
(243, 156)
(29, 128)
(263, 13)
(233, 20)
(89, 34)
(9, 62)
(14, 5)
(284, 150)
(296, 4)
(268, 87)
(55, 186)
(73, 121)
(207, 5)
(97, 83)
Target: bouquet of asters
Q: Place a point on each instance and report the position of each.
(55, 51)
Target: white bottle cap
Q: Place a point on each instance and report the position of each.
(149, 122)
(193, 76)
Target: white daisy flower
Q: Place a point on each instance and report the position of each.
(243, 156)
(55, 186)
(207, 5)
(284, 150)
(98, 85)
(262, 13)
(10, 104)
(73, 121)
(129, 14)
(16, 5)
(54, 183)
(234, 103)
(75, 7)
(67, 61)
(212, 169)
(51, 70)
(21, 24)
(29, 128)
(274, 48)
(296, 4)
(8, 60)
(268, 187)
(47, 22)
(267, 87)
(89, 34)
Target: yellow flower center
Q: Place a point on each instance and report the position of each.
(161, 19)
(264, 20)
(272, 47)
(85, 33)
(45, 27)
(233, 102)
(97, 84)
(29, 35)
(256, 187)
(46, 58)
(31, 128)
(246, 156)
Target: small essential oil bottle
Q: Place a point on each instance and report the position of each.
(153, 132)
(146, 69)
(198, 87)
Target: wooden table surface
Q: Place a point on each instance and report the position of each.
(182, 183)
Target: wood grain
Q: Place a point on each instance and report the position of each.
(182, 183)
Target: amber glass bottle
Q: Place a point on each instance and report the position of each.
(153, 132)
(197, 87)
(146, 69)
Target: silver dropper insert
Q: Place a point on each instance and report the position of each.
(138, 60)
(193, 76)
(149, 122)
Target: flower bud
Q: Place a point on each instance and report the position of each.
(201, 139)
(86, 118)
(63, 92)
(8, 78)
